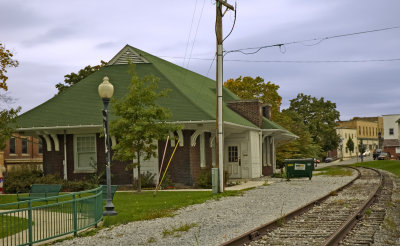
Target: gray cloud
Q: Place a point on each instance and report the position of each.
(17, 16)
(53, 34)
(100, 30)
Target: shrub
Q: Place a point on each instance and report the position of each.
(147, 180)
(204, 179)
(167, 182)
(73, 186)
(21, 179)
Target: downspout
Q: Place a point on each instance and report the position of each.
(65, 156)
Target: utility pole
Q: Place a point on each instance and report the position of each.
(219, 138)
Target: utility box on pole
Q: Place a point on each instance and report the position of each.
(215, 180)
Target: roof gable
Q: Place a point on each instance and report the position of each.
(126, 55)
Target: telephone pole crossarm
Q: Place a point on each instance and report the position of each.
(227, 5)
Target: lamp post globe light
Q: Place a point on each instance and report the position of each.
(106, 91)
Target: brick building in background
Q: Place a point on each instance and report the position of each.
(368, 130)
(22, 150)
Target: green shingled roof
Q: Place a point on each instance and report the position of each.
(192, 97)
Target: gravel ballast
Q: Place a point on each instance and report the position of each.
(215, 222)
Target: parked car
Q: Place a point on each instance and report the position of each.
(376, 153)
(328, 159)
(367, 153)
(383, 156)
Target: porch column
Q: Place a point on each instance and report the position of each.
(273, 154)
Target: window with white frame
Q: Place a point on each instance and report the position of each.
(85, 153)
(391, 131)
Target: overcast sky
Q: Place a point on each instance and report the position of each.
(53, 38)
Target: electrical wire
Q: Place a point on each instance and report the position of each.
(211, 64)
(319, 40)
(233, 26)
(190, 32)
(288, 61)
(195, 36)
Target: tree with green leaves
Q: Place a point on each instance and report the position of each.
(303, 146)
(320, 117)
(74, 78)
(250, 88)
(350, 145)
(7, 114)
(141, 123)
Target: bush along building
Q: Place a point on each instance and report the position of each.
(70, 125)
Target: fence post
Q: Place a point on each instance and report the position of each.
(75, 215)
(30, 224)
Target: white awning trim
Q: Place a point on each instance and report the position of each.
(56, 142)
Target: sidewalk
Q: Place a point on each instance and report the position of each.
(245, 185)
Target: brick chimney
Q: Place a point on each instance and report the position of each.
(267, 111)
(249, 109)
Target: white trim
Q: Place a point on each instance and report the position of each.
(56, 142)
(48, 141)
(212, 139)
(194, 136)
(113, 141)
(56, 127)
(202, 150)
(172, 139)
(180, 136)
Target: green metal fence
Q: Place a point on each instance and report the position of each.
(28, 222)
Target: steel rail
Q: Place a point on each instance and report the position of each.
(264, 229)
(346, 227)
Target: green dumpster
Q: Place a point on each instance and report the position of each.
(296, 168)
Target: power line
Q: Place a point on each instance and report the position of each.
(195, 36)
(319, 40)
(190, 32)
(317, 61)
(290, 61)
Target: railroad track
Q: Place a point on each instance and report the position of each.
(328, 220)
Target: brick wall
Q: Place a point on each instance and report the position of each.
(249, 109)
(185, 165)
(119, 174)
(179, 169)
(195, 157)
(53, 162)
(267, 170)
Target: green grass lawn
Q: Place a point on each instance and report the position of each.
(390, 166)
(6, 230)
(334, 171)
(132, 206)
